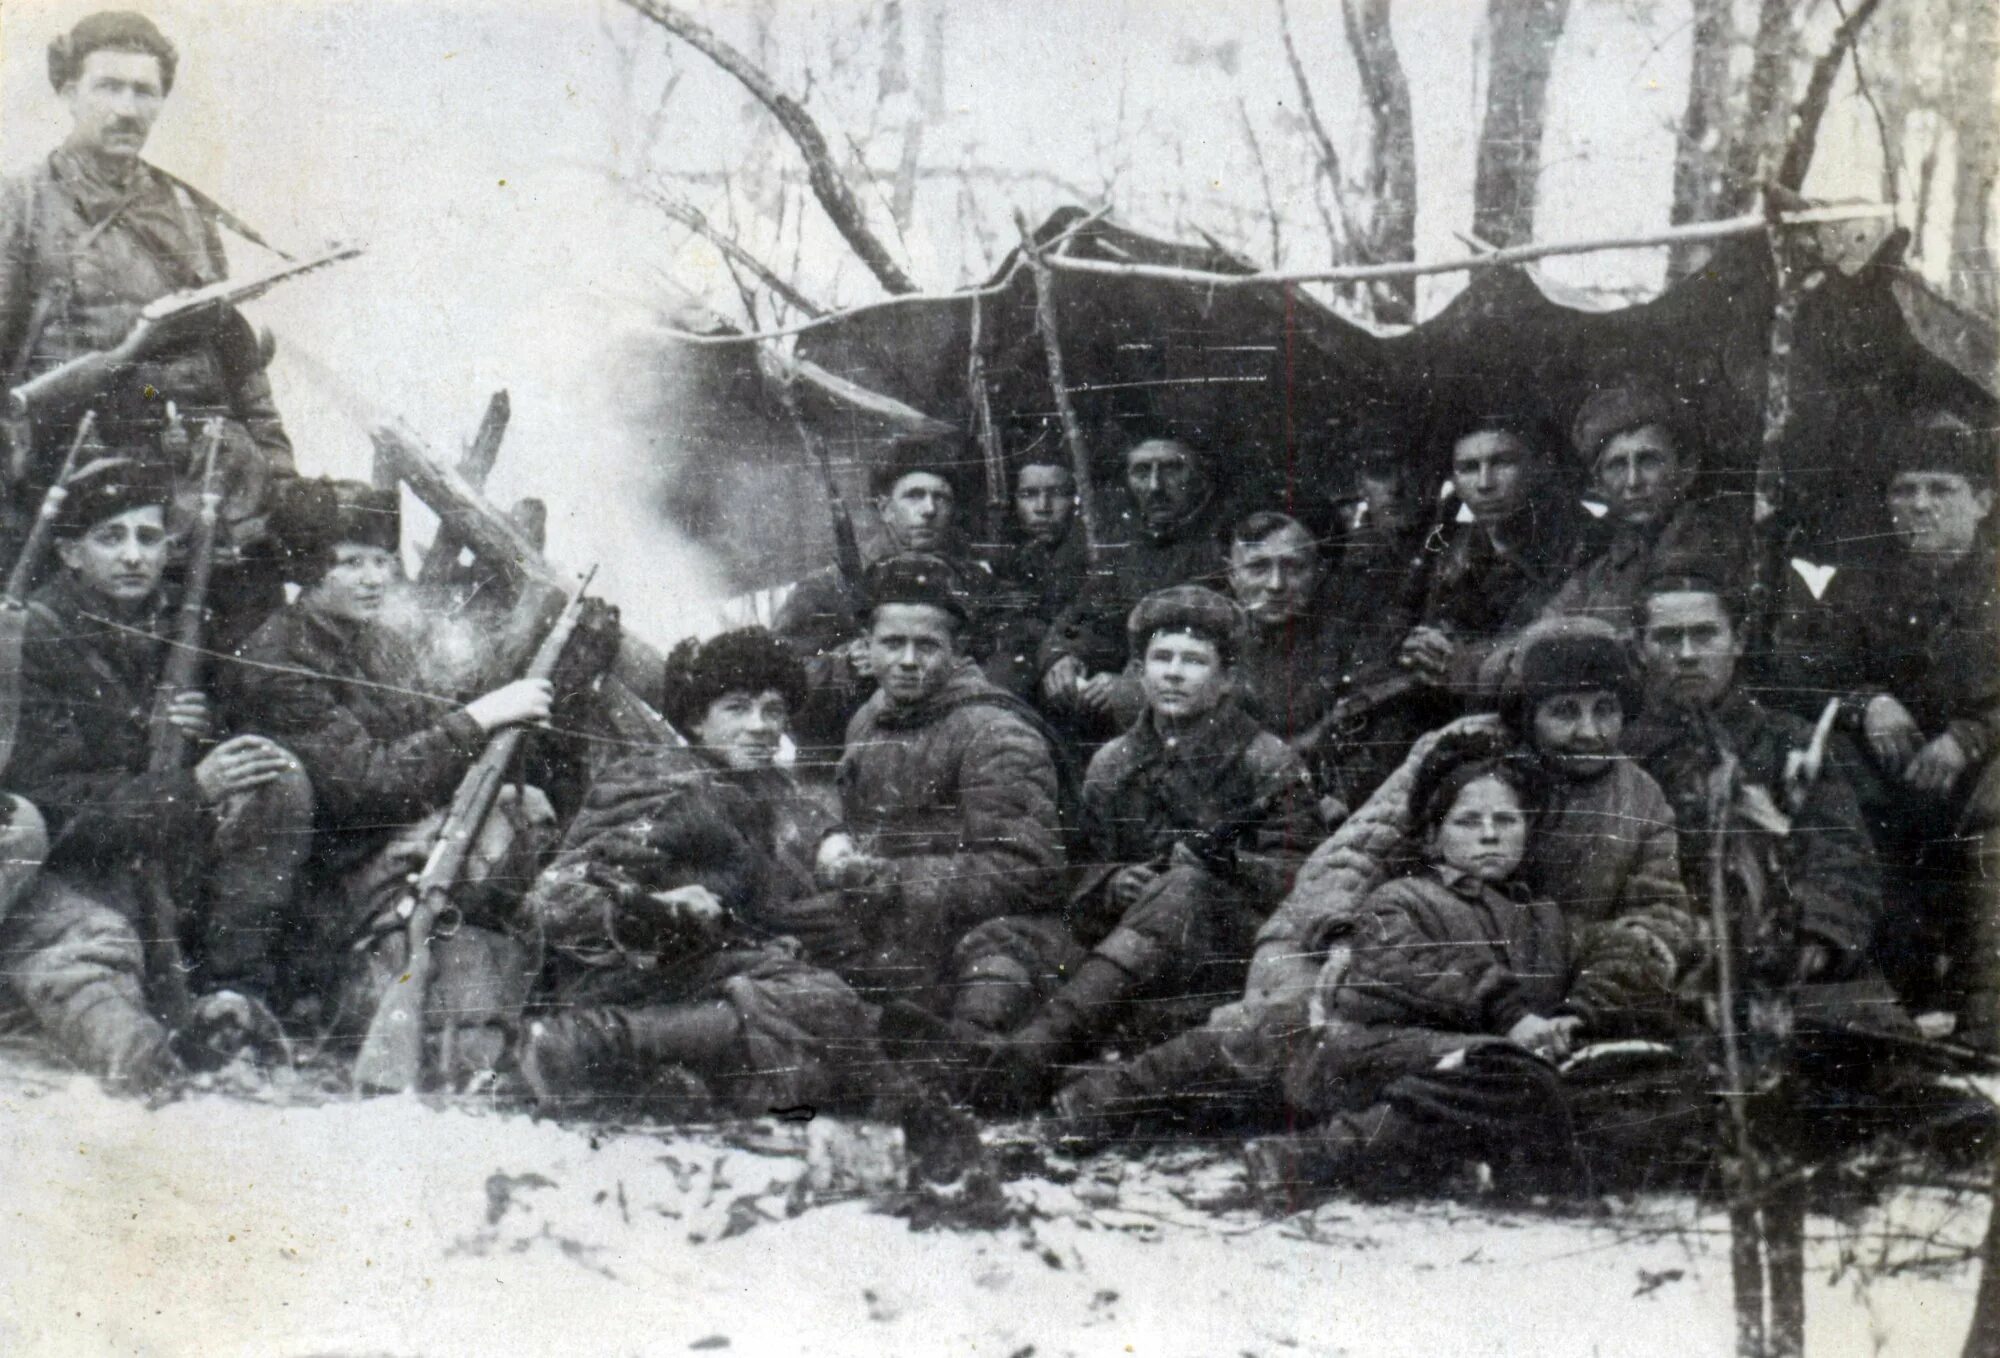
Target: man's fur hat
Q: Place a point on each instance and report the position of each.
(311, 517)
(748, 660)
(1627, 405)
(1940, 441)
(1193, 609)
(918, 578)
(108, 487)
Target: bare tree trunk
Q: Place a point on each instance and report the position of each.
(1524, 35)
(1392, 164)
(1758, 138)
(1972, 256)
(1698, 152)
(1804, 138)
(1983, 1339)
(827, 184)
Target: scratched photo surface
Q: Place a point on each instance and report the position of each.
(1055, 677)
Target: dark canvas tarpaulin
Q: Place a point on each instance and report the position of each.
(1267, 378)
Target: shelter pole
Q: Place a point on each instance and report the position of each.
(982, 411)
(1079, 454)
(1746, 225)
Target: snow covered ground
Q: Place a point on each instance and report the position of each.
(219, 1226)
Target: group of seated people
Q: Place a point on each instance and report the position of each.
(1405, 834)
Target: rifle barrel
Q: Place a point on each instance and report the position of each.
(29, 563)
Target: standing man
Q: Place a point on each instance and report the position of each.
(228, 836)
(1168, 486)
(87, 239)
(1636, 443)
(916, 489)
(1040, 573)
(1909, 641)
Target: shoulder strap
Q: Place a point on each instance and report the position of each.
(217, 211)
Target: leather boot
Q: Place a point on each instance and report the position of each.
(1020, 1067)
(582, 1053)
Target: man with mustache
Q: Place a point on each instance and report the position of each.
(1168, 488)
(231, 831)
(1636, 441)
(92, 235)
(329, 677)
(1908, 640)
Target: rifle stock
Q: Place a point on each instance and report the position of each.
(391, 1060)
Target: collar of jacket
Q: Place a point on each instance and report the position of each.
(71, 602)
(1194, 519)
(1464, 884)
(966, 682)
(85, 177)
(1217, 737)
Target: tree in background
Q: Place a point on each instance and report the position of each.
(1522, 38)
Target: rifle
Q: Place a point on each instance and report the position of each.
(85, 375)
(14, 600)
(392, 1053)
(168, 744)
(846, 545)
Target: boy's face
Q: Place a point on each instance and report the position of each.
(1275, 578)
(1044, 501)
(1184, 677)
(1937, 513)
(918, 511)
(1493, 472)
(1485, 834)
(120, 559)
(742, 729)
(1577, 734)
(911, 650)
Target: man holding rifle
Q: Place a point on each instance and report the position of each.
(227, 836)
(326, 676)
(88, 239)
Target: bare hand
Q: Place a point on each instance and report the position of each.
(1427, 652)
(1095, 693)
(521, 702)
(853, 872)
(1550, 1037)
(1060, 682)
(692, 909)
(1128, 884)
(240, 765)
(1937, 765)
(188, 713)
(1893, 735)
(860, 659)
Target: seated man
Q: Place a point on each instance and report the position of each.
(1040, 573)
(1195, 820)
(1385, 519)
(1909, 641)
(1294, 652)
(949, 859)
(1637, 444)
(224, 839)
(1805, 891)
(662, 920)
(917, 491)
(1086, 685)
(328, 677)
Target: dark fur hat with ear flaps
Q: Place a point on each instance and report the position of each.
(111, 486)
(748, 660)
(310, 517)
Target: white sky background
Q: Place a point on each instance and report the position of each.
(466, 145)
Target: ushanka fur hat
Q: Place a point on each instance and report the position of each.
(311, 516)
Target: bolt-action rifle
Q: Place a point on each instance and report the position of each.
(392, 1052)
(168, 745)
(21, 579)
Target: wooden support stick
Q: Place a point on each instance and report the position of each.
(635, 675)
(1079, 453)
(477, 463)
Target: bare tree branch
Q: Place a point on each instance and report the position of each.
(1273, 214)
(1819, 88)
(694, 220)
(1329, 157)
(827, 184)
(1392, 172)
